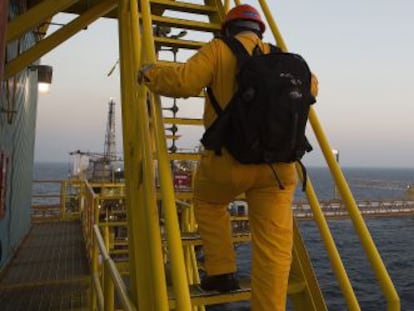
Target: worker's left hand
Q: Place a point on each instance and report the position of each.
(141, 73)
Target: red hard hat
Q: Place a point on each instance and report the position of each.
(244, 12)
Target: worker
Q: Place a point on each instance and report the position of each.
(220, 178)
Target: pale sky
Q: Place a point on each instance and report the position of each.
(361, 51)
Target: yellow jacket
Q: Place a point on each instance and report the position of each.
(213, 65)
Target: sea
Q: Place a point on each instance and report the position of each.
(393, 236)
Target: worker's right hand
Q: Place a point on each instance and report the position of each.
(314, 85)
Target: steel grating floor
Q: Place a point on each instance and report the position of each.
(49, 272)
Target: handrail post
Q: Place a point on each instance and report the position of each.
(94, 268)
(63, 199)
(109, 292)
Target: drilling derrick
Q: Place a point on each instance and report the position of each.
(110, 145)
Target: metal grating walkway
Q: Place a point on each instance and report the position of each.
(49, 272)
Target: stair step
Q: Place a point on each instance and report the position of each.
(194, 238)
(183, 7)
(184, 156)
(174, 137)
(186, 24)
(183, 121)
(200, 297)
(177, 43)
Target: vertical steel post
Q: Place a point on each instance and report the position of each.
(176, 255)
(4, 12)
(95, 270)
(109, 291)
(133, 171)
(63, 185)
(108, 287)
(143, 220)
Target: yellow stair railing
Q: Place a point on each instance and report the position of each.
(296, 290)
(368, 244)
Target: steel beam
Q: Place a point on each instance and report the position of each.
(58, 37)
(35, 16)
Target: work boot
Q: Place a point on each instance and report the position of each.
(221, 282)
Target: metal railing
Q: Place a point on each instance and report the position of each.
(55, 200)
(147, 267)
(361, 229)
(104, 210)
(112, 280)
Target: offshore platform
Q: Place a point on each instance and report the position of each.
(96, 166)
(130, 245)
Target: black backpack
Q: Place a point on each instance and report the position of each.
(265, 120)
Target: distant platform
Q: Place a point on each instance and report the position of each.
(368, 208)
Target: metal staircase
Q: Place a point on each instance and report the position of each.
(144, 28)
(303, 287)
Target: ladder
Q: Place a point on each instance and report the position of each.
(144, 32)
(303, 288)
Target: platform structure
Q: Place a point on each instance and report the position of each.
(49, 272)
(368, 208)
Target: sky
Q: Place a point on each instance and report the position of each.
(361, 51)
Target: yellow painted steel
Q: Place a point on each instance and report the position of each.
(188, 225)
(175, 249)
(34, 17)
(108, 289)
(226, 5)
(310, 297)
(97, 290)
(382, 275)
(112, 276)
(183, 121)
(384, 280)
(133, 171)
(148, 287)
(95, 294)
(195, 25)
(139, 177)
(52, 41)
(158, 273)
(63, 187)
(333, 254)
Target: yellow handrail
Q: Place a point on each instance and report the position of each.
(56, 210)
(180, 283)
(111, 275)
(161, 296)
(385, 282)
(333, 254)
(366, 240)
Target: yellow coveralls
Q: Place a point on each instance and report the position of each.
(220, 179)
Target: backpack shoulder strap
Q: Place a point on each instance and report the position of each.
(241, 54)
(237, 48)
(214, 102)
(275, 49)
